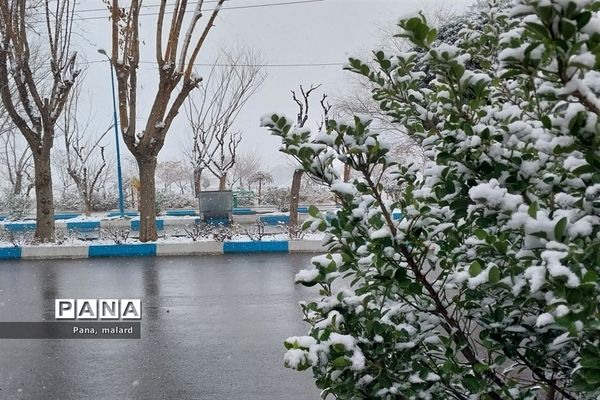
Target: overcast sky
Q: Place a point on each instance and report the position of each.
(327, 31)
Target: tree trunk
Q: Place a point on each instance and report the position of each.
(259, 192)
(347, 171)
(197, 182)
(147, 198)
(223, 182)
(294, 197)
(44, 227)
(18, 183)
(88, 205)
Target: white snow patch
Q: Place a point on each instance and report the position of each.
(544, 319)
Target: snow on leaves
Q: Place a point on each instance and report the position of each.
(488, 285)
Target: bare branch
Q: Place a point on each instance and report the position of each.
(85, 161)
(36, 89)
(212, 113)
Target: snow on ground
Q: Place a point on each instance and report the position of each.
(166, 239)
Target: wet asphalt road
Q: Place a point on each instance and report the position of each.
(212, 328)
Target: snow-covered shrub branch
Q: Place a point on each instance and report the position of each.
(488, 286)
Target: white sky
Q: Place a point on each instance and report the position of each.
(320, 32)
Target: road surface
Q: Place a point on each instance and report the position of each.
(212, 328)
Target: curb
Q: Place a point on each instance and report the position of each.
(54, 252)
(306, 246)
(122, 250)
(187, 249)
(160, 249)
(10, 253)
(275, 246)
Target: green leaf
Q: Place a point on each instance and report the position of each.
(583, 18)
(480, 234)
(472, 383)
(546, 122)
(546, 13)
(583, 169)
(501, 246)
(475, 268)
(590, 277)
(532, 210)
(494, 275)
(567, 28)
(479, 367)
(339, 348)
(559, 228)
(592, 376)
(538, 30)
(340, 362)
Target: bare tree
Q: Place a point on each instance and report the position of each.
(302, 117)
(224, 155)
(176, 76)
(173, 173)
(358, 100)
(236, 76)
(36, 107)
(261, 178)
(247, 164)
(196, 155)
(85, 159)
(17, 163)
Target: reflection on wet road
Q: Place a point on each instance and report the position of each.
(212, 328)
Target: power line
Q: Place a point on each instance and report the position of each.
(287, 3)
(278, 65)
(151, 6)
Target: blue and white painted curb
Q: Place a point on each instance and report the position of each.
(94, 226)
(275, 246)
(160, 249)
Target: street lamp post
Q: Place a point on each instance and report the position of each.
(119, 173)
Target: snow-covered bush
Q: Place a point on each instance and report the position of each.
(257, 232)
(71, 200)
(161, 200)
(118, 234)
(68, 200)
(166, 199)
(314, 193)
(278, 197)
(16, 206)
(488, 287)
(221, 232)
(105, 201)
(310, 193)
(178, 200)
(294, 232)
(17, 239)
(199, 230)
(245, 202)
